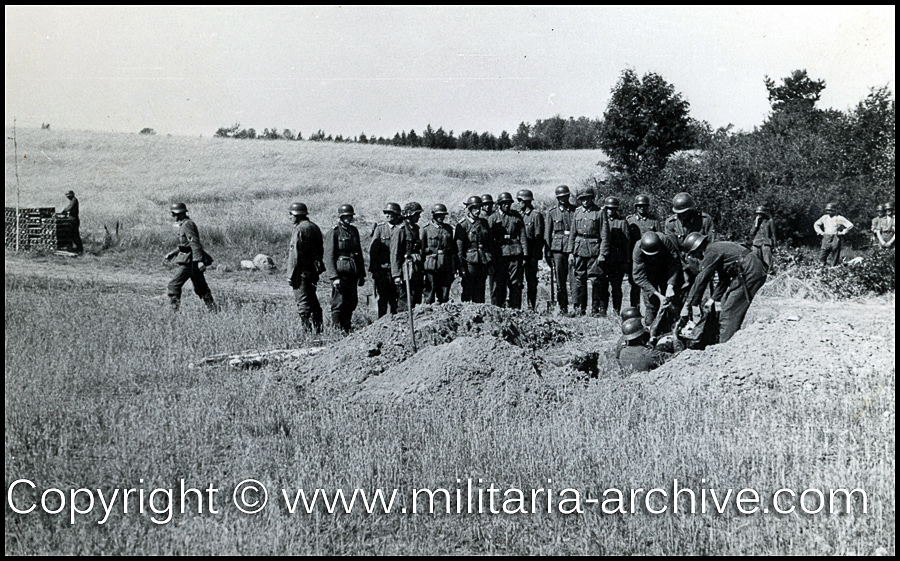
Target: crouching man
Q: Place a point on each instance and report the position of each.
(638, 355)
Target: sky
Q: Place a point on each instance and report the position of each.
(382, 69)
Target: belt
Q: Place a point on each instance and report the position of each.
(588, 236)
(345, 257)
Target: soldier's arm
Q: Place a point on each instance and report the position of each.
(548, 231)
(423, 237)
(541, 243)
(360, 258)
(292, 256)
(572, 234)
(604, 237)
(708, 268)
(818, 226)
(526, 251)
(710, 229)
(396, 257)
(772, 233)
(639, 272)
(193, 236)
(846, 224)
(329, 257)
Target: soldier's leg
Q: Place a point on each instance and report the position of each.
(516, 267)
(490, 277)
(561, 269)
(182, 275)
(430, 288)
(616, 279)
(599, 297)
(634, 291)
(337, 303)
(446, 281)
(500, 277)
(418, 285)
(825, 250)
(351, 300)
(580, 278)
(531, 280)
(201, 288)
(766, 256)
(382, 302)
(476, 276)
(76, 239)
(651, 306)
(836, 252)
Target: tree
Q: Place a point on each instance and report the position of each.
(287, 134)
(797, 91)
(413, 139)
(645, 122)
(145, 130)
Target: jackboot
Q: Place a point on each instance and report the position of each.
(210, 303)
(317, 321)
(337, 322)
(174, 302)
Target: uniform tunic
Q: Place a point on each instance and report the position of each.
(615, 252)
(380, 267)
(344, 262)
(190, 255)
(473, 247)
(640, 358)
(534, 238)
(406, 246)
(510, 249)
(654, 273)
(439, 254)
(638, 226)
(763, 235)
(303, 266)
(584, 239)
(557, 229)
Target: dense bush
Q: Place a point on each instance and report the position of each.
(875, 273)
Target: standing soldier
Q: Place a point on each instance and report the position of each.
(473, 246)
(614, 261)
(510, 249)
(885, 233)
(831, 226)
(439, 253)
(656, 268)
(191, 260)
(584, 239)
(487, 210)
(345, 267)
(687, 219)
(380, 260)
(741, 274)
(534, 239)
(876, 227)
(639, 224)
(557, 231)
(304, 266)
(406, 251)
(71, 211)
(763, 235)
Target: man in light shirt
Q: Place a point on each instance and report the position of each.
(831, 226)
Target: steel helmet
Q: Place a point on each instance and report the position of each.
(830, 206)
(525, 195)
(632, 329)
(439, 209)
(642, 200)
(178, 208)
(392, 208)
(70, 192)
(346, 210)
(586, 193)
(417, 207)
(474, 200)
(410, 209)
(692, 242)
(881, 207)
(651, 243)
(562, 191)
(504, 197)
(762, 209)
(611, 202)
(631, 313)
(888, 206)
(298, 209)
(683, 202)
(487, 199)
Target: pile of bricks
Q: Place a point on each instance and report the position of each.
(38, 229)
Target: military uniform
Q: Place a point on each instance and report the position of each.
(406, 245)
(71, 211)
(641, 358)
(439, 261)
(615, 253)
(344, 262)
(190, 255)
(741, 275)
(556, 237)
(654, 273)
(304, 265)
(638, 226)
(380, 267)
(885, 226)
(534, 238)
(696, 221)
(473, 246)
(763, 236)
(584, 239)
(510, 249)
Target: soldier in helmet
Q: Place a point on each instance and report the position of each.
(584, 239)
(380, 259)
(71, 211)
(627, 314)
(556, 237)
(637, 355)
(614, 260)
(831, 226)
(534, 238)
(639, 224)
(656, 268)
(191, 259)
(473, 246)
(487, 210)
(439, 253)
(344, 267)
(304, 265)
(741, 274)
(886, 227)
(762, 235)
(406, 251)
(510, 251)
(686, 219)
(876, 226)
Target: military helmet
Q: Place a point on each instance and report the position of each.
(504, 197)
(410, 209)
(562, 191)
(642, 200)
(692, 241)
(632, 329)
(631, 313)
(298, 209)
(417, 206)
(346, 210)
(683, 202)
(831, 207)
(487, 199)
(881, 207)
(392, 208)
(474, 200)
(888, 206)
(762, 209)
(178, 208)
(525, 195)
(651, 243)
(611, 202)
(439, 209)
(70, 192)
(586, 193)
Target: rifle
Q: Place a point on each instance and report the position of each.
(407, 275)
(551, 303)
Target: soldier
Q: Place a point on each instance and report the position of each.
(510, 249)
(627, 314)
(741, 274)
(615, 255)
(304, 266)
(71, 211)
(656, 268)
(687, 219)
(556, 238)
(639, 224)
(534, 238)
(380, 259)
(473, 246)
(876, 227)
(638, 355)
(886, 231)
(831, 226)
(584, 239)
(191, 259)
(763, 235)
(487, 210)
(439, 253)
(406, 251)
(345, 267)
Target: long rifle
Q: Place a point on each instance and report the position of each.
(407, 275)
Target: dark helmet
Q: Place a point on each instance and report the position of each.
(504, 197)
(762, 209)
(474, 200)
(632, 329)
(410, 209)
(439, 209)
(631, 313)
(586, 193)
(611, 202)
(692, 241)
(642, 200)
(889, 206)
(562, 191)
(298, 209)
(392, 208)
(178, 208)
(346, 210)
(651, 243)
(70, 192)
(525, 195)
(683, 202)
(881, 207)
(417, 206)
(831, 206)
(487, 199)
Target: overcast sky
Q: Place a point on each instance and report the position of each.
(380, 70)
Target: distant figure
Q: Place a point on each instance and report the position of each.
(831, 226)
(71, 211)
(883, 226)
(305, 264)
(406, 258)
(762, 235)
(614, 260)
(534, 238)
(473, 246)
(639, 224)
(438, 255)
(191, 259)
(511, 250)
(380, 259)
(344, 267)
(556, 237)
(637, 354)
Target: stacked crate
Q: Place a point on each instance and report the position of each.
(38, 229)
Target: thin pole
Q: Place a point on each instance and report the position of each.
(16, 155)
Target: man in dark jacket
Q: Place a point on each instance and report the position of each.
(557, 229)
(406, 251)
(534, 238)
(71, 212)
(639, 224)
(191, 260)
(473, 246)
(380, 259)
(584, 239)
(344, 267)
(762, 235)
(615, 256)
(510, 250)
(656, 269)
(439, 256)
(304, 266)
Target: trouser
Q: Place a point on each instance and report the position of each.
(492, 276)
(76, 237)
(651, 304)
(185, 272)
(416, 284)
(508, 273)
(308, 307)
(473, 282)
(438, 287)
(387, 292)
(764, 252)
(635, 294)
(580, 272)
(530, 266)
(561, 270)
(610, 280)
(344, 299)
(735, 303)
(831, 250)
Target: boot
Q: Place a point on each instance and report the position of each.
(306, 321)
(317, 321)
(174, 302)
(210, 303)
(336, 321)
